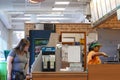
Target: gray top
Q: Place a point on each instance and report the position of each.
(19, 61)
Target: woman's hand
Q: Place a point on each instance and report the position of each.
(9, 77)
(104, 54)
(28, 76)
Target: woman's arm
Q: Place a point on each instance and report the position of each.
(100, 54)
(28, 75)
(9, 66)
(27, 66)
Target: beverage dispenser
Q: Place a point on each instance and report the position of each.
(48, 59)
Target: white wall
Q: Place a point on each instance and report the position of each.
(4, 37)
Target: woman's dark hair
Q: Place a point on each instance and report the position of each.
(90, 47)
(21, 45)
(93, 44)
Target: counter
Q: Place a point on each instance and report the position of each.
(104, 72)
(95, 72)
(59, 76)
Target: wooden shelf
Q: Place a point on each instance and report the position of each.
(69, 43)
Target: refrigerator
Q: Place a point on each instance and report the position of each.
(38, 39)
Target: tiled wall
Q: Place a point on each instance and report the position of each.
(111, 22)
(79, 27)
(73, 27)
(28, 26)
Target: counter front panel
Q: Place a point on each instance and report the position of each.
(59, 76)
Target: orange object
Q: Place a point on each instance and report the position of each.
(82, 41)
(93, 60)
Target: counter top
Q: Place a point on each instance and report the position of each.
(62, 75)
(59, 72)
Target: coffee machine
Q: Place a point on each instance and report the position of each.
(48, 59)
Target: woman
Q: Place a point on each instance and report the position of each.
(17, 61)
(93, 55)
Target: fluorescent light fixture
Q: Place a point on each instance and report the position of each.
(21, 18)
(65, 2)
(16, 12)
(53, 18)
(44, 15)
(41, 18)
(60, 9)
(27, 14)
(50, 15)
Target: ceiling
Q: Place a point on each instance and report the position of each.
(14, 13)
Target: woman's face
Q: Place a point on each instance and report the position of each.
(26, 48)
(97, 48)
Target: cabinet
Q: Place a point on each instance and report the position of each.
(104, 72)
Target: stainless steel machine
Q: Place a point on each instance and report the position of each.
(48, 59)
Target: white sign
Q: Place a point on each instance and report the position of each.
(74, 54)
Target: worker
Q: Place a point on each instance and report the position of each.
(94, 53)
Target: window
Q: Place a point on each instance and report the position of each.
(17, 36)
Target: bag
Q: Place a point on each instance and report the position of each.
(16, 75)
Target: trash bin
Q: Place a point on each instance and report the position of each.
(3, 70)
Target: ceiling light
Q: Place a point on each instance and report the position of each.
(60, 9)
(44, 15)
(67, 2)
(25, 18)
(50, 15)
(36, 1)
(53, 18)
(27, 14)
